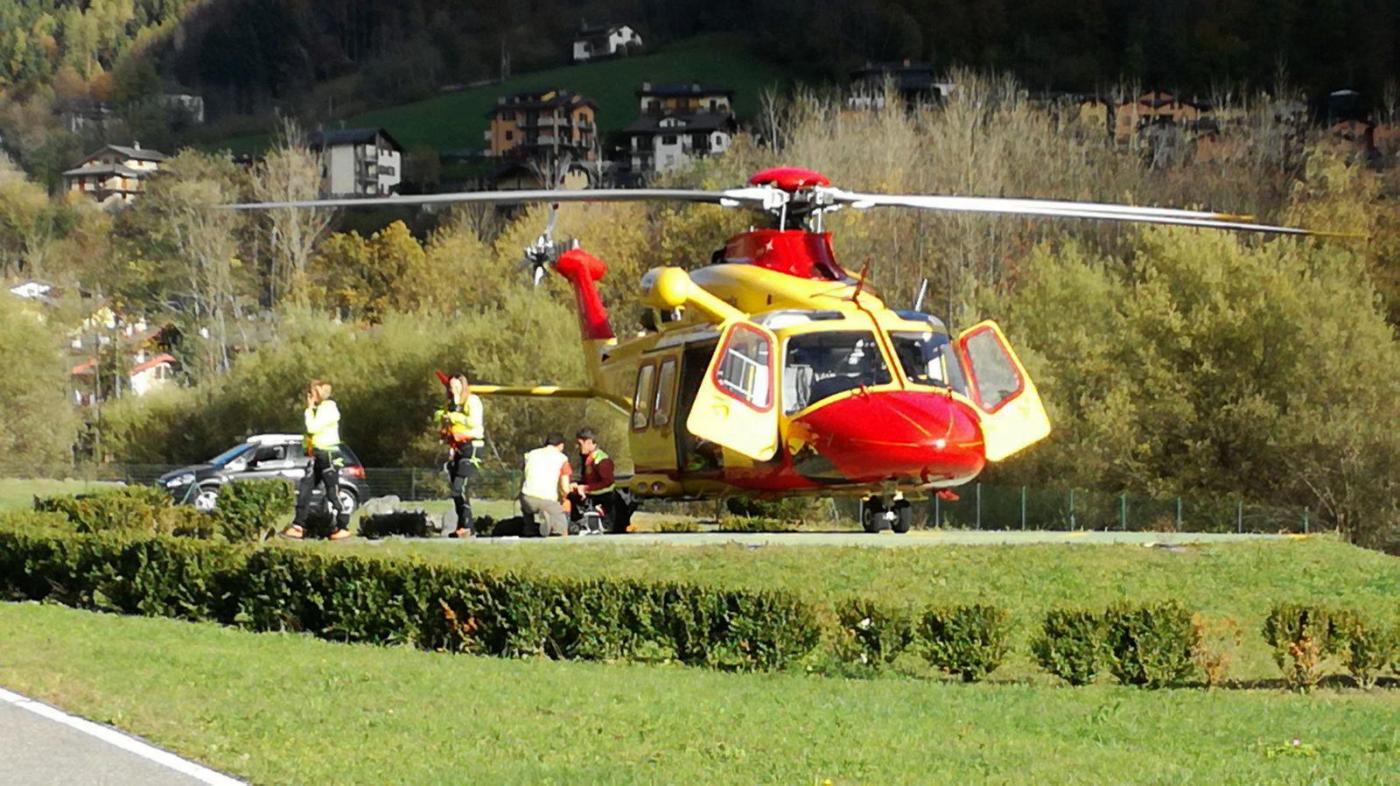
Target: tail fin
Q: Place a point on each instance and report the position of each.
(583, 271)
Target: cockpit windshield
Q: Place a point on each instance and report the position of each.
(928, 359)
(820, 365)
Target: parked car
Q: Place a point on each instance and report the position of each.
(262, 456)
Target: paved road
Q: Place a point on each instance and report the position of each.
(54, 748)
(891, 540)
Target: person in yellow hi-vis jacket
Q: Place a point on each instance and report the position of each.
(322, 442)
(462, 427)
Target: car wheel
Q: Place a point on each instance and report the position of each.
(346, 501)
(206, 499)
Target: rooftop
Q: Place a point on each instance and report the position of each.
(351, 136)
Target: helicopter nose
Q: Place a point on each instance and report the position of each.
(900, 434)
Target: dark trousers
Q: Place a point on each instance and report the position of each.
(322, 470)
(460, 471)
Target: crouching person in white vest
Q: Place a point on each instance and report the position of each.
(547, 475)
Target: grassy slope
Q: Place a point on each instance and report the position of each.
(457, 120)
(288, 709)
(1237, 580)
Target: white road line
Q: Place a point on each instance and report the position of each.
(125, 742)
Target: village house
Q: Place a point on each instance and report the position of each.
(145, 363)
(679, 123)
(1126, 119)
(595, 41)
(915, 83)
(358, 161)
(115, 174)
(544, 126)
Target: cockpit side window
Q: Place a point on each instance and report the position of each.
(820, 365)
(928, 359)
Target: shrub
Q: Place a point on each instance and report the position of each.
(1150, 644)
(1070, 645)
(402, 523)
(133, 509)
(872, 634)
(757, 524)
(969, 641)
(253, 510)
(1217, 641)
(1365, 647)
(1301, 637)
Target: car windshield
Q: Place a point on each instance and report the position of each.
(820, 365)
(230, 454)
(928, 359)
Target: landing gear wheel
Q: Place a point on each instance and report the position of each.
(903, 516)
(874, 517)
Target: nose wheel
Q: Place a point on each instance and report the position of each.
(877, 515)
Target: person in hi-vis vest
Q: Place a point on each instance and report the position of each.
(322, 442)
(547, 475)
(462, 427)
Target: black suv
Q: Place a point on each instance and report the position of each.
(262, 456)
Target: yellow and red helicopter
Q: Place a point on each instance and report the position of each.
(774, 371)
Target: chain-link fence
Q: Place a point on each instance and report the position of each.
(977, 505)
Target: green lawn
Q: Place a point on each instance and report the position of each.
(290, 709)
(19, 493)
(457, 120)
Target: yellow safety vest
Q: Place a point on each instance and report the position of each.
(323, 425)
(543, 468)
(468, 424)
(595, 458)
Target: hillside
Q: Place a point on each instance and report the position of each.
(455, 121)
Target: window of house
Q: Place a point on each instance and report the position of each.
(641, 402)
(510, 135)
(668, 139)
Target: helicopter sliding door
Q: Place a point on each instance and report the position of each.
(735, 406)
(1012, 415)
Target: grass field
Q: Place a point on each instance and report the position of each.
(19, 493)
(456, 121)
(289, 709)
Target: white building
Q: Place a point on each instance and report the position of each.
(657, 143)
(358, 161)
(114, 174)
(604, 41)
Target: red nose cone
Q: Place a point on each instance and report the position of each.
(789, 178)
(896, 434)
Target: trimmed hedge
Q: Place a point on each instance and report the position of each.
(970, 641)
(873, 634)
(253, 510)
(405, 601)
(1071, 645)
(1150, 644)
(1305, 636)
(134, 509)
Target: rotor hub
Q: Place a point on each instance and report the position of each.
(789, 178)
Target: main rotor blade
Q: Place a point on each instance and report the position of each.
(731, 197)
(1060, 209)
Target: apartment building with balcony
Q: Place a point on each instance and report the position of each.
(116, 174)
(358, 161)
(546, 126)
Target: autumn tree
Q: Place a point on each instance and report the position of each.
(290, 172)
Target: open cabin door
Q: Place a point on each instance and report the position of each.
(1013, 417)
(735, 406)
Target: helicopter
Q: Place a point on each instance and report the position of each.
(774, 371)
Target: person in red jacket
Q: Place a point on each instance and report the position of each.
(598, 488)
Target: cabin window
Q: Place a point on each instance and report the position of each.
(746, 367)
(821, 365)
(665, 380)
(641, 402)
(994, 374)
(928, 359)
